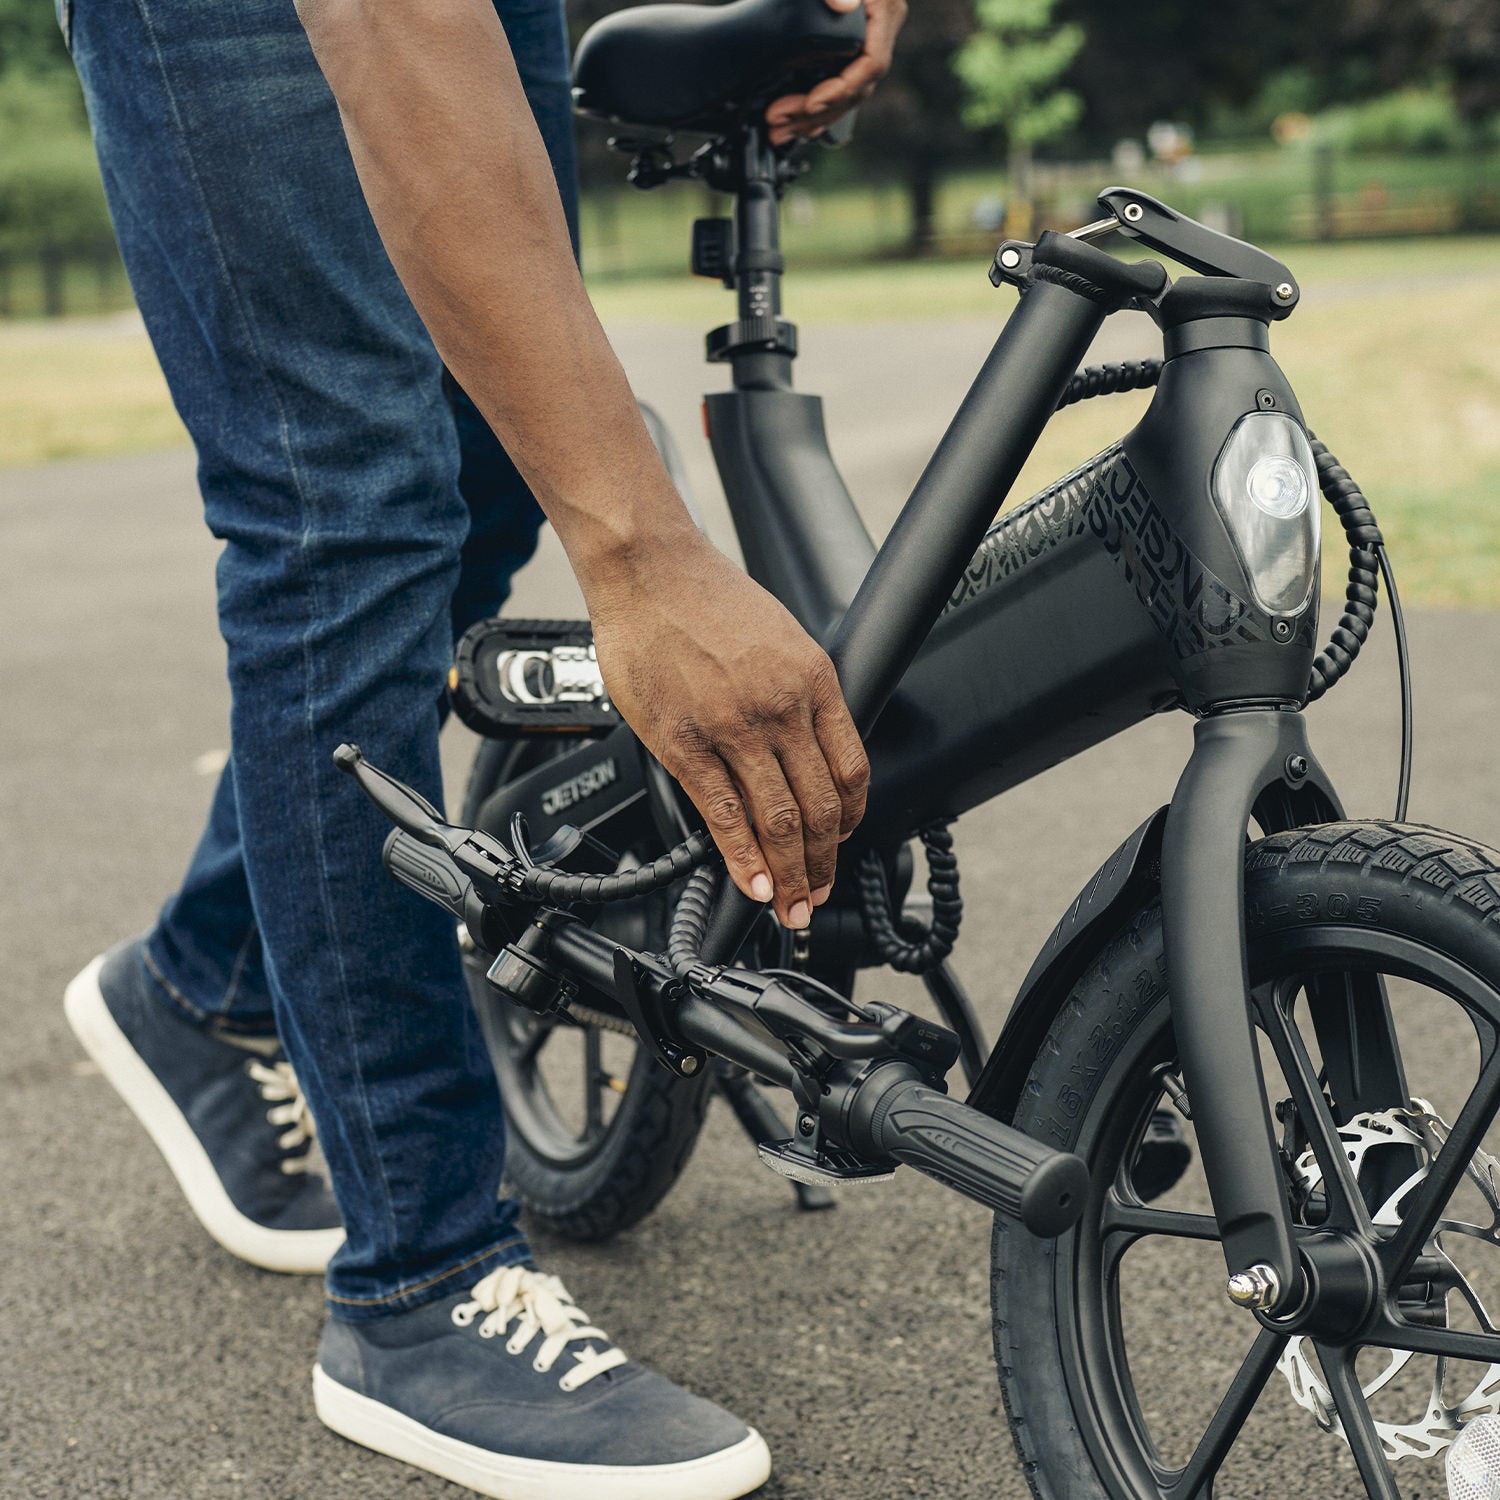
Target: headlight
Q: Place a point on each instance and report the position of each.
(1264, 484)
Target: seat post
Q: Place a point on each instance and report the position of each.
(760, 344)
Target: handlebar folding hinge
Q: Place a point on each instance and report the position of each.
(643, 989)
(1196, 246)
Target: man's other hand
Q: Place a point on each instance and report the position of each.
(812, 113)
(744, 709)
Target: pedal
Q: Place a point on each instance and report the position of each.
(517, 677)
(790, 1159)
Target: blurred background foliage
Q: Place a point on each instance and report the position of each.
(1278, 119)
(1367, 131)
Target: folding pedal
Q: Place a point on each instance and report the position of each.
(517, 677)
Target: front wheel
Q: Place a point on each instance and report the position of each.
(1126, 1373)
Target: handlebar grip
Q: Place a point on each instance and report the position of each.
(427, 871)
(980, 1157)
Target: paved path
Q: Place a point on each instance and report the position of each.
(138, 1361)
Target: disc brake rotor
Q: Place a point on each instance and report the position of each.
(1418, 1126)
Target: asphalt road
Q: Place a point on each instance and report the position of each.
(137, 1360)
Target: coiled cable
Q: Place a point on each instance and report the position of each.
(922, 954)
(690, 920)
(1365, 542)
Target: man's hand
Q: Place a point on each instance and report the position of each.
(812, 113)
(743, 708)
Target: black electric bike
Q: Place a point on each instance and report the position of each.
(1269, 990)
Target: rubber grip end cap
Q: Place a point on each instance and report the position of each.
(1053, 1199)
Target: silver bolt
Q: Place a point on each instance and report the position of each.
(688, 1066)
(1010, 259)
(1134, 213)
(1256, 1288)
(1286, 291)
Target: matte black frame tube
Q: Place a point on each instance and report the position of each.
(1236, 756)
(961, 489)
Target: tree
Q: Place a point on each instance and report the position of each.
(51, 199)
(1400, 41)
(912, 125)
(30, 41)
(1010, 69)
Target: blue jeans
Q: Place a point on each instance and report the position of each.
(367, 515)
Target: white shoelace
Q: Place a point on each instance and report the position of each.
(279, 1087)
(542, 1304)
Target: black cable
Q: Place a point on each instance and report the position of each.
(816, 990)
(1365, 542)
(1403, 664)
(926, 952)
(520, 840)
(1109, 380)
(558, 887)
(690, 920)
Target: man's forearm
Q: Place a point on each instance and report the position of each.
(712, 673)
(463, 194)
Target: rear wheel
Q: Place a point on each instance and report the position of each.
(1126, 1373)
(598, 1130)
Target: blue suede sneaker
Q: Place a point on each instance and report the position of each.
(508, 1389)
(229, 1117)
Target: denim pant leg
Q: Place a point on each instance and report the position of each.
(205, 949)
(328, 464)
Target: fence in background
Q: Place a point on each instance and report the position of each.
(1271, 196)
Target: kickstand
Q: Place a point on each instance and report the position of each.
(762, 1124)
(958, 1012)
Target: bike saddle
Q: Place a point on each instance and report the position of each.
(700, 67)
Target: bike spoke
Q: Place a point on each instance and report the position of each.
(1359, 1426)
(1124, 1223)
(1347, 1208)
(1138, 1219)
(1194, 1481)
(526, 1054)
(1423, 1208)
(1454, 1343)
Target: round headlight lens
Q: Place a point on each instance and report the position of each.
(1278, 486)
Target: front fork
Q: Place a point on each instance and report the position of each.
(1247, 763)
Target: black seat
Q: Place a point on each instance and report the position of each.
(700, 67)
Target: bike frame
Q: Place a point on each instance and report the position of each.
(973, 656)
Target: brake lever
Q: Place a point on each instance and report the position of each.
(410, 811)
(492, 868)
(1198, 247)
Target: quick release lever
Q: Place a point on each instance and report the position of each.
(1198, 247)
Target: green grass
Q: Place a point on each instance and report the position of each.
(81, 389)
(87, 288)
(904, 291)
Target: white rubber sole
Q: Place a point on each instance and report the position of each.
(304, 1252)
(718, 1476)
